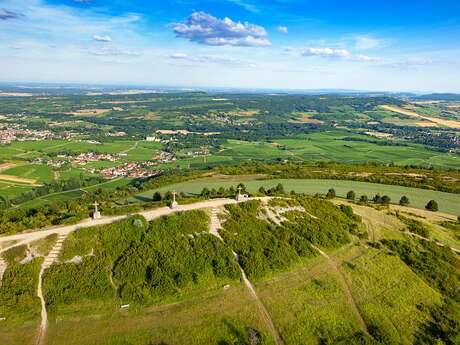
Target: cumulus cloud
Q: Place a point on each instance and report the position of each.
(104, 38)
(283, 29)
(205, 29)
(200, 59)
(337, 54)
(6, 15)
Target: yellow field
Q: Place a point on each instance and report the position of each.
(6, 166)
(17, 179)
(436, 121)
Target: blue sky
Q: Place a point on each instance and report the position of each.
(296, 44)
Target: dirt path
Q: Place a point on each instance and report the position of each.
(431, 240)
(214, 227)
(28, 237)
(131, 148)
(370, 229)
(346, 289)
(3, 267)
(49, 260)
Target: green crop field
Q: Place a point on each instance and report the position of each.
(39, 172)
(448, 202)
(12, 189)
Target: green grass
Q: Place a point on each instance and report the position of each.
(19, 303)
(13, 189)
(387, 293)
(448, 202)
(73, 194)
(39, 172)
(335, 146)
(311, 310)
(219, 317)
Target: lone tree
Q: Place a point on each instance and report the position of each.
(432, 206)
(404, 201)
(157, 196)
(363, 199)
(331, 193)
(280, 188)
(351, 195)
(458, 219)
(385, 200)
(205, 192)
(377, 199)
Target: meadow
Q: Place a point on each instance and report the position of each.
(220, 317)
(448, 202)
(388, 295)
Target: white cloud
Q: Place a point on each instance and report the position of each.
(283, 29)
(205, 29)
(246, 5)
(327, 52)
(113, 51)
(104, 38)
(337, 54)
(205, 59)
(368, 43)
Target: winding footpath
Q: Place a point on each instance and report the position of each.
(3, 266)
(52, 256)
(214, 227)
(346, 289)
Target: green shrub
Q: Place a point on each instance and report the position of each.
(432, 206)
(18, 293)
(404, 201)
(351, 195)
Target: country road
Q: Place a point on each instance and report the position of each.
(25, 238)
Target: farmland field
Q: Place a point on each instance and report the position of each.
(336, 146)
(448, 202)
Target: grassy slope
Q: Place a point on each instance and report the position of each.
(387, 293)
(221, 316)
